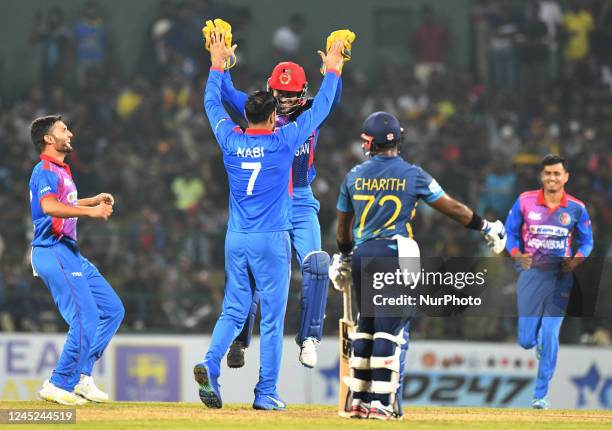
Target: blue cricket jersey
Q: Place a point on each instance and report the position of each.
(302, 168)
(545, 232)
(52, 178)
(383, 193)
(258, 162)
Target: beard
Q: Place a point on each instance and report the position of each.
(65, 147)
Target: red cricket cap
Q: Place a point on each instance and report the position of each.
(288, 76)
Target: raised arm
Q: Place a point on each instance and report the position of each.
(236, 99)
(220, 121)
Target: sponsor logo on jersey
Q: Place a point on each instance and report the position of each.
(44, 190)
(67, 182)
(534, 216)
(565, 218)
(551, 244)
(72, 197)
(548, 230)
(77, 274)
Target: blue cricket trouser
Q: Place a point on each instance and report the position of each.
(385, 251)
(254, 263)
(306, 232)
(87, 303)
(306, 238)
(542, 300)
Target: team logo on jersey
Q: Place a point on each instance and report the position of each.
(284, 78)
(434, 187)
(534, 216)
(67, 182)
(565, 218)
(72, 197)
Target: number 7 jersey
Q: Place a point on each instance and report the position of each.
(258, 162)
(383, 193)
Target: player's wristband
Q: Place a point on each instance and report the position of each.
(475, 223)
(346, 248)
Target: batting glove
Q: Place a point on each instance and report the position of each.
(495, 235)
(340, 272)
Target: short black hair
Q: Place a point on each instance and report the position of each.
(41, 126)
(552, 159)
(259, 106)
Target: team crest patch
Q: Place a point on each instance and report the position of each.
(565, 218)
(284, 78)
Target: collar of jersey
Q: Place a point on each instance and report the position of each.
(384, 157)
(52, 160)
(540, 199)
(258, 131)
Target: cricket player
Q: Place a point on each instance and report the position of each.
(257, 245)
(83, 297)
(289, 85)
(376, 204)
(541, 226)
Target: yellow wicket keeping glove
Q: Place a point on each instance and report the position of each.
(347, 37)
(219, 26)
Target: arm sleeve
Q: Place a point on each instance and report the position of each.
(514, 222)
(344, 199)
(337, 95)
(220, 122)
(427, 188)
(47, 185)
(336, 101)
(229, 94)
(296, 132)
(584, 234)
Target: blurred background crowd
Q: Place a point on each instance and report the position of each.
(538, 81)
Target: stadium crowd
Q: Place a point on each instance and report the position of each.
(539, 81)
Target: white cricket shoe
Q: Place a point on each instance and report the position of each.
(51, 393)
(359, 409)
(308, 352)
(87, 389)
(378, 411)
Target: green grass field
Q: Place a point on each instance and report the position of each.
(131, 415)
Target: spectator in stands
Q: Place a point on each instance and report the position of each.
(91, 41)
(56, 44)
(504, 28)
(429, 44)
(287, 40)
(577, 25)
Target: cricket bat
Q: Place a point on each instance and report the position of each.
(347, 326)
